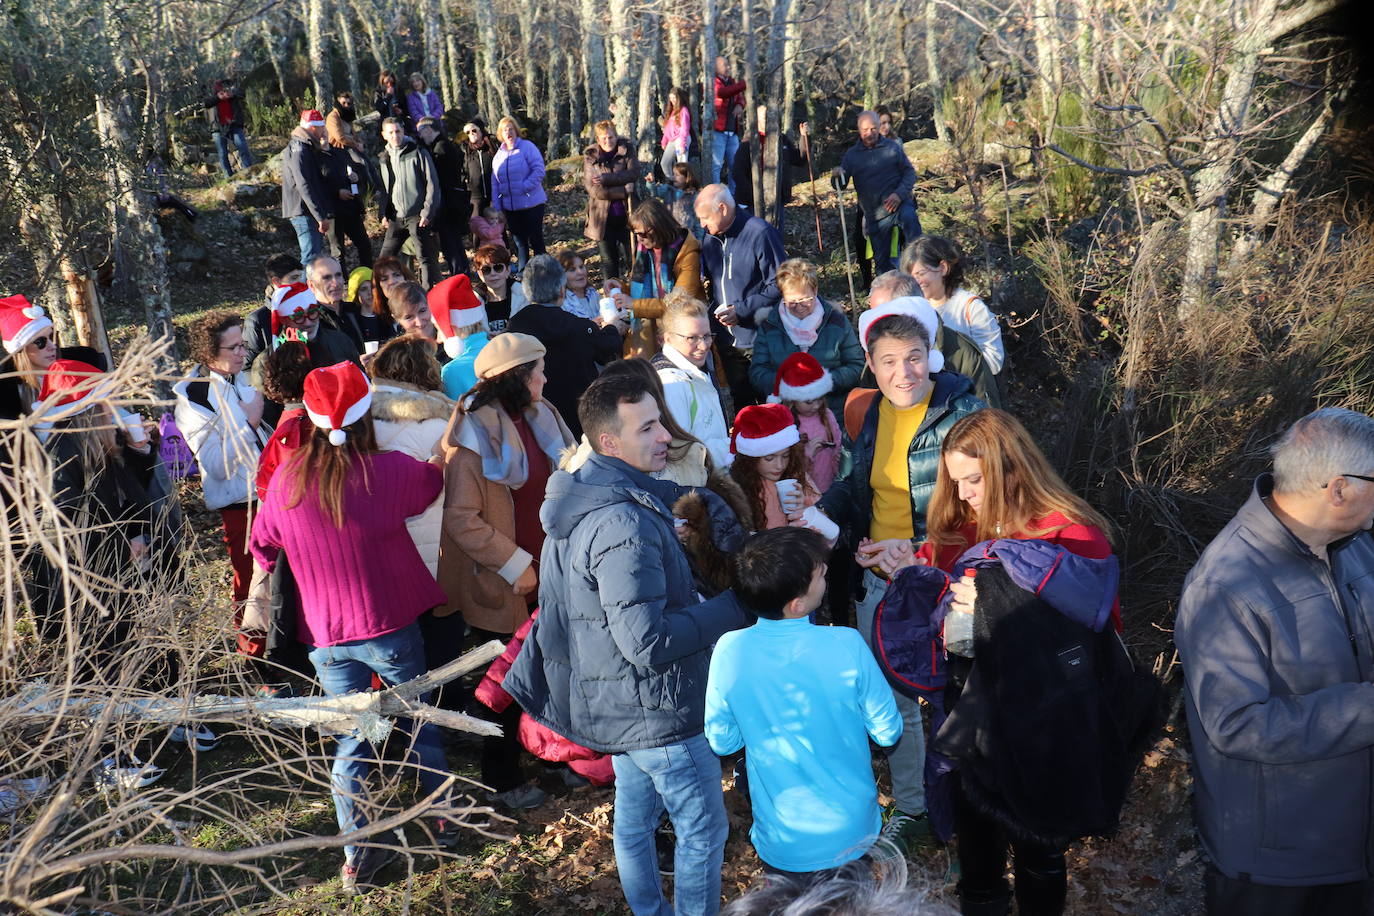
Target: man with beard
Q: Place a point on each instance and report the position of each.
(306, 198)
(452, 224)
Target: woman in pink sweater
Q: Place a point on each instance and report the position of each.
(677, 132)
(337, 509)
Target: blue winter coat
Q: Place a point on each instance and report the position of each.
(517, 177)
(618, 657)
(836, 349)
(742, 265)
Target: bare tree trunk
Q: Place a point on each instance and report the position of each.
(708, 89)
(87, 317)
(453, 61)
(433, 17)
(1212, 184)
(269, 39)
(594, 60)
(577, 101)
(652, 48)
(622, 80)
(934, 78)
(752, 96)
(317, 43)
(381, 54)
(350, 50)
(554, 88)
(498, 100)
(529, 17)
(789, 69)
(677, 51)
(771, 203)
(1045, 30)
(872, 53)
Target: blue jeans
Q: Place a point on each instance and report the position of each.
(906, 758)
(904, 219)
(723, 149)
(309, 238)
(396, 657)
(685, 779)
(222, 138)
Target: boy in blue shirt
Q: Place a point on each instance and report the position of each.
(803, 701)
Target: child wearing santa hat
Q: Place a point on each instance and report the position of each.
(802, 384)
(462, 322)
(770, 466)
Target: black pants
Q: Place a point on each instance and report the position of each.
(527, 228)
(451, 243)
(1041, 875)
(397, 233)
(1233, 897)
(615, 248)
(348, 222)
(500, 756)
(444, 638)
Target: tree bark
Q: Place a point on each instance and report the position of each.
(529, 17)
(433, 18)
(677, 51)
(498, 100)
(651, 45)
(269, 39)
(751, 97)
(708, 88)
(789, 69)
(934, 77)
(350, 51)
(1211, 185)
(317, 44)
(622, 80)
(554, 94)
(594, 60)
(454, 96)
(381, 55)
(577, 101)
(771, 202)
(873, 49)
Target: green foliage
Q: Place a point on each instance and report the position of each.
(268, 119)
(1071, 186)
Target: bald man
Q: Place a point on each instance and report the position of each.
(884, 178)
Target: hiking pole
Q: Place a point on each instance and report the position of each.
(815, 204)
(848, 262)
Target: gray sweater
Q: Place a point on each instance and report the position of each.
(1277, 655)
(410, 182)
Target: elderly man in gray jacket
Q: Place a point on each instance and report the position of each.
(410, 199)
(1275, 630)
(617, 659)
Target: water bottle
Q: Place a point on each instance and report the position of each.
(959, 629)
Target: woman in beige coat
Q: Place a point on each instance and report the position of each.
(502, 444)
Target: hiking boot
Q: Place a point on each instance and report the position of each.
(126, 773)
(356, 877)
(665, 844)
(908, 832)
(522, 797)
(196, 737)
(446, 834)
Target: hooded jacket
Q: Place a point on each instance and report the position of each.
(413, 421)
(210, 417)
(742, 265)
(1278, 661)
(618, 171)
(849, 501)
(305, 189)
(517, 177)
(410, 182)
(617, 660)
(836, 349)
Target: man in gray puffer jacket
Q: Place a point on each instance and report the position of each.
(410, 199)
(1275, 630)
(617, 660)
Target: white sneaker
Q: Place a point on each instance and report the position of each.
(127, 773)
(16, 793)
(197, 737)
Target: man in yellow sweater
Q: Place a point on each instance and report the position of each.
(895, 434)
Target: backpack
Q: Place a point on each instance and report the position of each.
(174, 451)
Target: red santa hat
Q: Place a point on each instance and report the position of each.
(800, 378)
(312, 118)
(913, 307)
(454, 305)
(72, 385)
(763, 429)
(21, 322)
(335, 397)
(290, 301)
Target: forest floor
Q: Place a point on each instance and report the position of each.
(560, 859)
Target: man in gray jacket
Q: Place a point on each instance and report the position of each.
(617, 659)
(1274, 630)
(411, 198)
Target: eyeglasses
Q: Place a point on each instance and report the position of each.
(799, 303)
(492, 269)
(1356, 476)
(695, 340)
(239, 347)
(41, 343)
(309, 314)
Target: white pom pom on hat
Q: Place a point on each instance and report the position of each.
(454, 305)
(336, 397)
(21, 322)
(913, 307)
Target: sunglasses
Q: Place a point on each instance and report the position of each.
(41, 342)
(492, 269)
(309, 314)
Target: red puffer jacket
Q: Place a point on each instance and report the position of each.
(538, 739)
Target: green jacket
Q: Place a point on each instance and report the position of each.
(836, 348)
(849, 501)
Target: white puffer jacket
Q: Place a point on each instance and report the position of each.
(225, 446)
(414, 422)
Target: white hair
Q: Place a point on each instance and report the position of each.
(714, 195)
(892, 285)
(543, 278)
(1324, 444)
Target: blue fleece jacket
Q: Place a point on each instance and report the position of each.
(742, 265)
(803, 700)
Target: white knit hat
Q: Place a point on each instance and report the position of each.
(913, 307)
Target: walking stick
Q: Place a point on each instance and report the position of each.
(815, 205)
(848, 262)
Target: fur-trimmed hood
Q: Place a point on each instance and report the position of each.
(399, 402)
(715, 530)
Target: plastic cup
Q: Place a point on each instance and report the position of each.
(371, 346)
(608, 309)
(789, 493)
(818, 520)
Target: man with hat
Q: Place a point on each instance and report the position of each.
(462, 321)
(294, 306)
(225, 115)
(306, 200)
(881, 500)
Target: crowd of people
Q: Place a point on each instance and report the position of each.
(676, 496)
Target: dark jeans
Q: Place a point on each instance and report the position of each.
(1041, 875)
(348, 223)
(500, 756)
(443, 643)
(451, 230)
(1233, 897)
(397, 233)
(615, 247)
(527, 228)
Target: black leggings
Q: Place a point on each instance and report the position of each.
(500, 756)
(615, 248)
(1041, 875)
(527, 228)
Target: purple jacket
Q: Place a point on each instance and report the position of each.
(424, 106)
(908, 626)
(517, 177)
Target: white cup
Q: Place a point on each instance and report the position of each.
(133, 425)
(789, 494)
(609, 312)
(815, 518)
(722, 309)
(371, 346)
